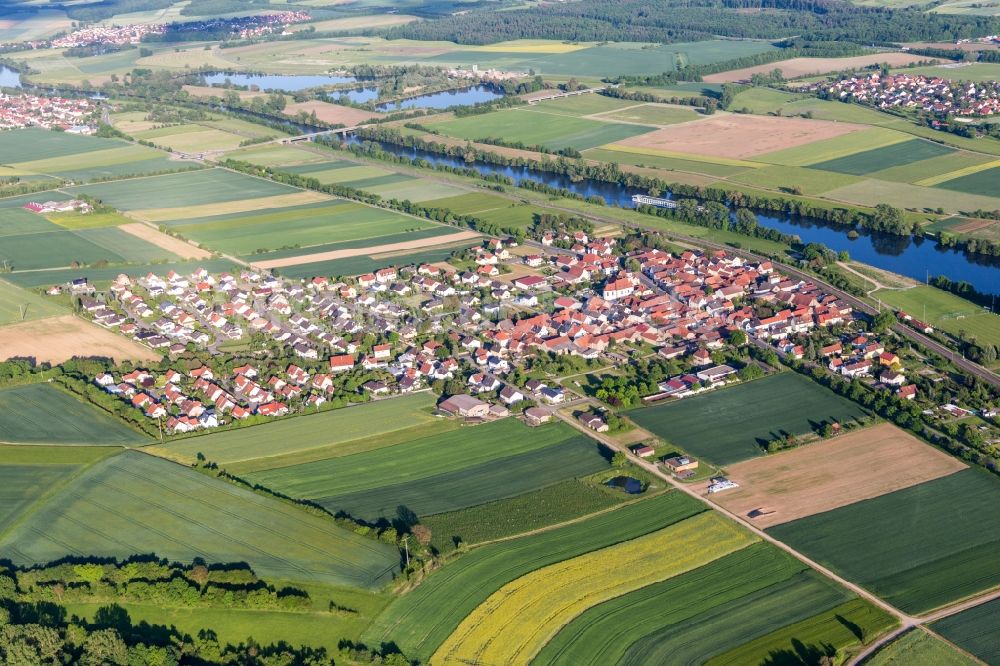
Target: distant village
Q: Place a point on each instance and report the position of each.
(24, 110)
(916, 91)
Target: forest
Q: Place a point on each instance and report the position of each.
(667, 21)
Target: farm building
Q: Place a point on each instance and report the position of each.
(464, 405)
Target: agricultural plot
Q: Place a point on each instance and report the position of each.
(470, 486)
(654, 114)
(825, 150)
(919, 647)
(946, 311)
(454, 450)
(897, 154)
(540, 129)
(582, 105)
(334, 429)
(658, 159)
(808, 180)
(42, 278)
(974, 631)
(982, 182)
(516, 621)
(873, 192)
(768, 100)
(135, 503)
(57, 339)
(34, 144)
(422, 619)
(358, 263)
(740, 136)
(798, 67)
(937, 169)
(274, 155)
(191, 138)
(41, 414)
(703, 425)
(194, 188)
(761, 585)
(18, 304)
(917, 548)
(52, 249)
(810, 479)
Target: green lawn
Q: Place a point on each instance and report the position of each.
(42, 414)
(732, 424)
(973, 630)
(537, 128)
(18, 304)
(917, 548)
(918, 647)
(422, 619)
(334, 428)
(946, 311)
(135, 503)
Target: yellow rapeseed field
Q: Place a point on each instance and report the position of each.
(517, 620)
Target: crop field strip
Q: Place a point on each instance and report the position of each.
(356, 265)
(267, 445)
(41, 414)
(422, 619)
(919, 647)
(700, 425)
(517, 620)
(762, 584)
(135, 503)
(504, 477)
(974, 630)
(917, 548)
(418, 459)
(885, 157)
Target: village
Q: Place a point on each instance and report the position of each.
(472, 335)
(25, 110)
(916, 91)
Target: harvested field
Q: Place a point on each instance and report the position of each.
(812, 479)
(798, 67)
(57, 339)
(162, 240)
(740, 136)
(226, 207)
(365, 251)
(332, 113)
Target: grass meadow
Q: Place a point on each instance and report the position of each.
(517, 620)
(702, 425)
(945, 311)
(423, 618)
(134, 503)
(917, 548)
(267, 445)
(42, 414)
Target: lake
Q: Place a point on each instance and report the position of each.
(290, 83)
(9, 78)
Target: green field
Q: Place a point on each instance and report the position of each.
(918, 647)
(434, 231)
(537, 128)
(827, 150)
(302, 226)
(873, 192)
(917, 548)
(886, 157)
(703, 425)
(986, 183)
(191, 188)
(456, 450)
(134, 503)
(39, 144)
(422, 619)
(515, 515)
(44, 278)
(42, 414)
(654, 114)
(946, 311)
(670, 163)
(582, 105)
(503, 477)
(18, 304)
(808, 180)
(931, 168)
(332, 429)
(974, 631)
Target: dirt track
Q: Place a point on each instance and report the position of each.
(833, 473)
(162, 240)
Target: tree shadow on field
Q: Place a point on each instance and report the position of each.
(855, 629)
(801, 654)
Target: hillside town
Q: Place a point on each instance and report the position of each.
(916, 91)
(25, 110)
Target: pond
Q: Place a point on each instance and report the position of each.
(905, 255)
(9, 78)
(288, 82)
(626, 484)
(444, 99)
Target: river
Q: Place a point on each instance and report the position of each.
(910, 256)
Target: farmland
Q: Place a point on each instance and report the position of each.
(974, 630)
(42, 414)
(918, 548)
(57, 339)
(443, 472)
(762, 586)
(423, 618)
(919, 647)
(327, 432)
(810, 479)
(798, 67)
(18, 304)
(945, 311)
(135, 503)
(700, 424)
(516, 621)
